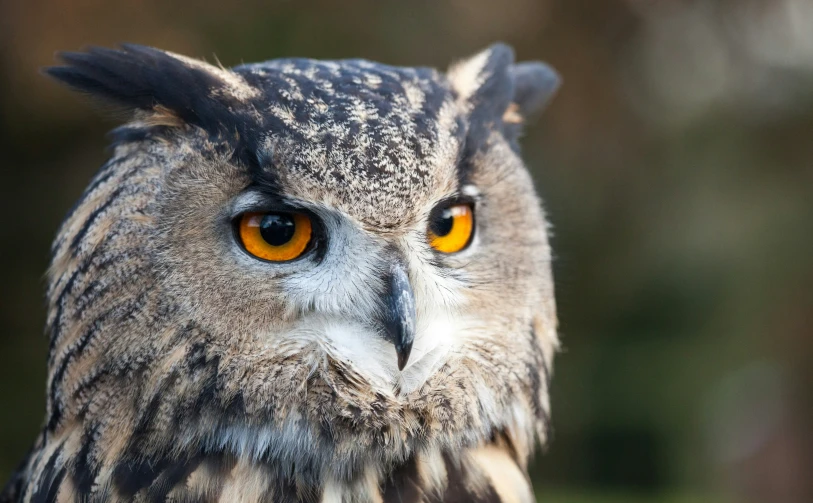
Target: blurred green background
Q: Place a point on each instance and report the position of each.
(676, 164)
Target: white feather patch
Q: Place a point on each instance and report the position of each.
(467, 76)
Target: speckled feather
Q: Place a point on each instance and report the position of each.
(180, 369)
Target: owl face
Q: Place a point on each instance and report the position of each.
(342, 255)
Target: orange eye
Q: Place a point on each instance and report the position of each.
(451, 228)
(275, 236)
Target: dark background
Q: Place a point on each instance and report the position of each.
(676, 164)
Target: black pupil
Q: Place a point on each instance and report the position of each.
(441, 225)
(277, 228)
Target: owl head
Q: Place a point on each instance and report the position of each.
(324, 263)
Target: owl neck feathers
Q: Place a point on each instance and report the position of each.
(325, 440)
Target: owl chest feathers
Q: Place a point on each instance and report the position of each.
(491, 473)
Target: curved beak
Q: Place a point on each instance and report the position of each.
(399, 313)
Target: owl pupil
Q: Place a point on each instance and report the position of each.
(442, 224)
(277, 228)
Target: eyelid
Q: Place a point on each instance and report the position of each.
(246, 202)
(258, 202)
(453, 200)
(466, 194)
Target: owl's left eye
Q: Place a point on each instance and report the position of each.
(451, 228)
(275, 236)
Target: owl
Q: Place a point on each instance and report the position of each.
(299, 281)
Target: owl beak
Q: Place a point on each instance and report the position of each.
(399, 313)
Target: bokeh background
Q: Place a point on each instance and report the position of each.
(676, 164)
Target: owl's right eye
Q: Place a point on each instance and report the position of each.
(275, 236)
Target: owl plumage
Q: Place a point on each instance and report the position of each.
(371, 367)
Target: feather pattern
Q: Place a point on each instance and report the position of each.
(488, 474)
(182, 369)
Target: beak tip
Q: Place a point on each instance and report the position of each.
(403, 355)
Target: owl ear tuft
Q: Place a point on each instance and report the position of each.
(172, 89)
(535, 84)
(483, 82)
(496, 90)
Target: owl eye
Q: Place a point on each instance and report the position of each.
(451, 228)
(275, 236)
